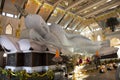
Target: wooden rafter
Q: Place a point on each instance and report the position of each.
(90, 6)
(57, 3)
(25, 2)
(74, 4)
(2, 6)
(102, 9)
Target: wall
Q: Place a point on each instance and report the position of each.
(13, 21)
(1, 56)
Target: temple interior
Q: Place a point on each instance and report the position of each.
(59, 39)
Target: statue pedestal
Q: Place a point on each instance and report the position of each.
(33, 59)
(14, 61)
(30, 61)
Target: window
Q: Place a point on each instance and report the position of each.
(8, 29)
(9, 15)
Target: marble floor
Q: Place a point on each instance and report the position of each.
(109, 75)
(96, 75)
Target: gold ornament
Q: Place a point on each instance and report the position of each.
(18, 32)
(1, 30)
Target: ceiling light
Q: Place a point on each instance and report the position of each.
(15, 16)
(9, 15)
(3, 13)
(48, 24)
(76, 30)
(98, 38)
(69, 28)
(97, 29)
(5, 55)
(85, 11)
(55, 11)
(82, 33)
(108, 0)
(113, 7)
(94, 7)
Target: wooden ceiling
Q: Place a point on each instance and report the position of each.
(68, 13)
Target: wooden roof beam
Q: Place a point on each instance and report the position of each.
(74, 4)
(2, 6)
(57, 3)
(102, 9)
(90, 6)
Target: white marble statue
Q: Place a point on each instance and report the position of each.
(54, 36)
(38, 33)
(37, 29)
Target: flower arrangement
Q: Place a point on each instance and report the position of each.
(23, 75)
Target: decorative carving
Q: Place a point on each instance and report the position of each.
(11, 60)
(17, 33)
(15, 59)
(0, 28)
(27, 59)
(22, 11)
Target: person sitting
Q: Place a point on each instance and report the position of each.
(115, 65)
(102, 68)
(88, 60)
(110, 66)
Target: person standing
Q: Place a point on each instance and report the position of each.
(117, 75)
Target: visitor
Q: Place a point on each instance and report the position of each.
(102, 68)
(110, 66)
(118, 73)
(115, 65)
(97, 61)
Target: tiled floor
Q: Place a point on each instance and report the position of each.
(109, 75)
(95, 75)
